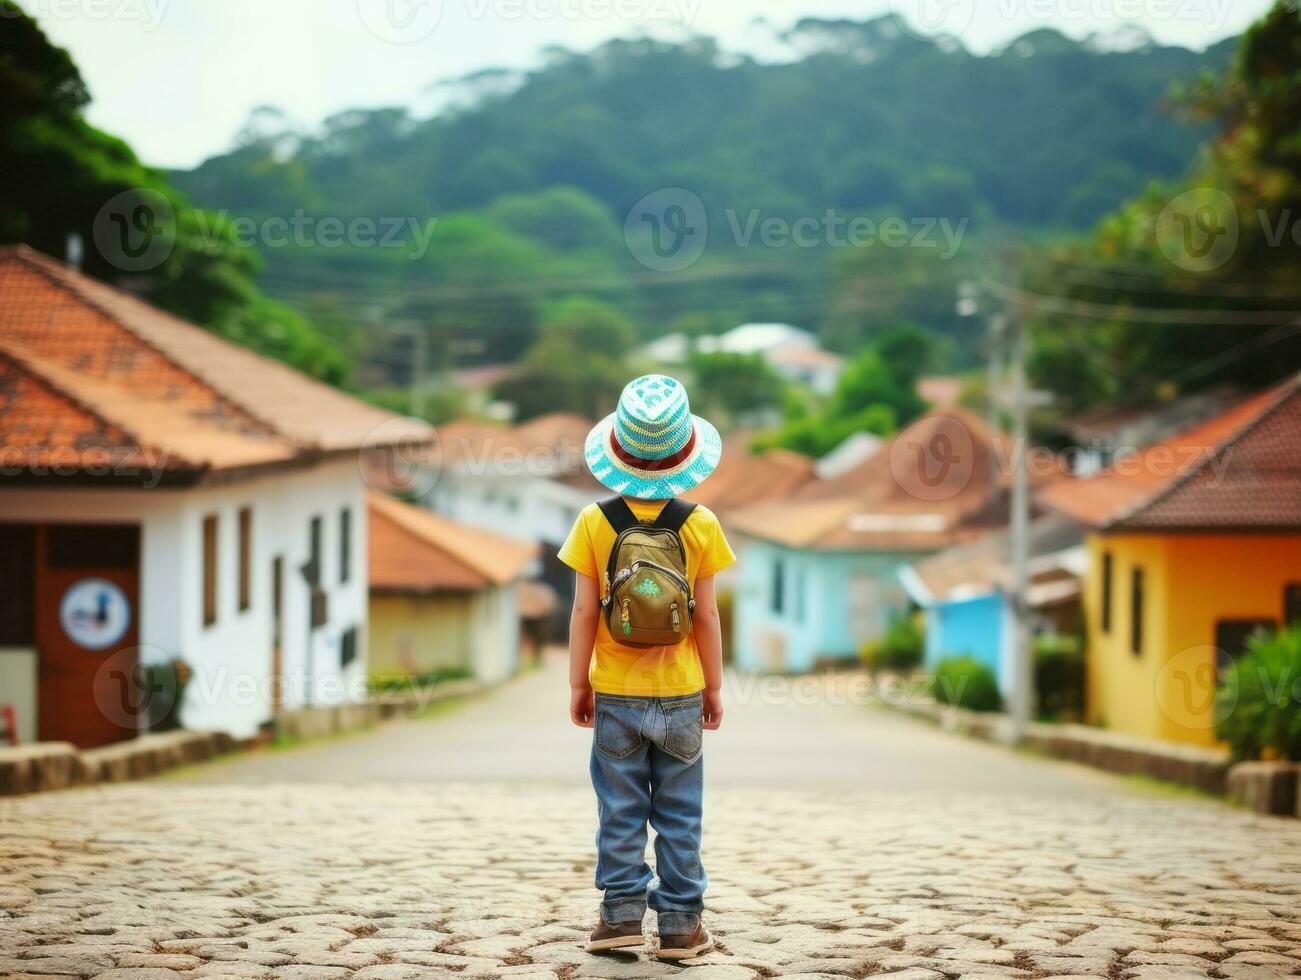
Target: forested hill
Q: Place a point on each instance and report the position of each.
(1047, 131)
(529, 177)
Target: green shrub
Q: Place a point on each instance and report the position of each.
(966, 683)
(396, 683)
(1059, 676)
(898, 649)
(1258, 703)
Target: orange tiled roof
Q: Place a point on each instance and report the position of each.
(87, 369)
(1238, 470)
(743, 479)
(937, 483)
(413, 550)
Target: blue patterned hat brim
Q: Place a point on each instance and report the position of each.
(652, 484)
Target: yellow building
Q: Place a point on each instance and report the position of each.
(442, 595)
(1195, 542)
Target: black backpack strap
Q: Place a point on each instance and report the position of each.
(675, 514)
(618, 513)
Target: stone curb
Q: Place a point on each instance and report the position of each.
(1266, 787)
(1205, 769)
(42, 766)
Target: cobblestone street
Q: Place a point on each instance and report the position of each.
(208, 875)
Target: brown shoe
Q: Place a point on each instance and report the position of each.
(685, 947)
(615, 935)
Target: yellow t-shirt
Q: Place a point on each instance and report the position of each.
(646, 671)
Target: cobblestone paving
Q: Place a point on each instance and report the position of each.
(158, 881)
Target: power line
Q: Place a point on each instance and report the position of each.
(1034, 302)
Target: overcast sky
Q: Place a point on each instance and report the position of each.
(177, 78)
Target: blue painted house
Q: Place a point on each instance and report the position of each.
(964, 593)
(821, 569)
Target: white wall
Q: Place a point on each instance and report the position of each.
(495, 649)
(231, 659)
(527, 507)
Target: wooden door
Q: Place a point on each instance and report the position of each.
(87, 632)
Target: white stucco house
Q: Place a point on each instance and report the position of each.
(166, 496)
(792, 352)
(527, 481)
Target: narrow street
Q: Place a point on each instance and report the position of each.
(842, 841)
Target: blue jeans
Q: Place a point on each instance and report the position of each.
(646, 768)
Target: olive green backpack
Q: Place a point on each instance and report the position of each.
(645, 593)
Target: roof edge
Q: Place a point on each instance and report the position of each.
(1286, 391)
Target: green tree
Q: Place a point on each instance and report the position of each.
(60, 172)
(1248, 179)
(733, 385)
(577, 363)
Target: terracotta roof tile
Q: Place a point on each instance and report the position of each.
(549, 445)
(1252, 481)
(743, 479)
(1240, 469)
(982, 565)
(413, 550)
(155, 385)
(940, 481)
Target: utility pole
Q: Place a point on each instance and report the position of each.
(1007, 338)
(1022, 665)
(419, 364)
(419, 371)
(994, 381)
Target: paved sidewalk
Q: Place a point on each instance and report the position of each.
(162, 880)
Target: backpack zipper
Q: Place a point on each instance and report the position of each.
(640, 562)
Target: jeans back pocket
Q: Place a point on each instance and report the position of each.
(618, 724)
(684, 729)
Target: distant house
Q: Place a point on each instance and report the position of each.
(744, 479)
(792, 352)
(1102, 434)
(526, 481)
(169, 496)
(1193, 544)
(854, 450)
(442, 595)
(821, 569)
(964, 593)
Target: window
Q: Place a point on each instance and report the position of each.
(1106, 592)
(799, 594)
(345, 544)
(1136, 611)
(314, 556)
(778, 581)
(348, 646)
(210, 570)
(93, 546)
(245, 558)
(1231, 637)
(1291, 603)
(17, 584)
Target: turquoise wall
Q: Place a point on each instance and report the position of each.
(816, 619)
(968, 627)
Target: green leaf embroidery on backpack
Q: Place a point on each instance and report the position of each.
(647, 586)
